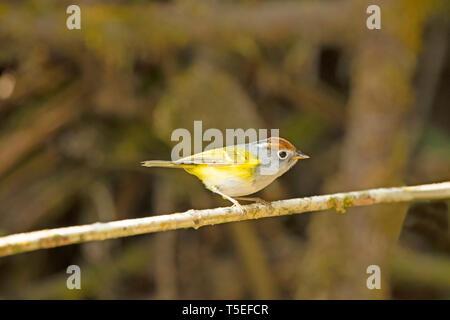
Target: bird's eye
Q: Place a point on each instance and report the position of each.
(282, 155)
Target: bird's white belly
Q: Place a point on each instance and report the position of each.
(238, 187)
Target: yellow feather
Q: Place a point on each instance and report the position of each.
(241, 165)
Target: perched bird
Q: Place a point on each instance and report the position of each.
(238, 170)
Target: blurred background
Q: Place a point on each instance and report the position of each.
(79, 110)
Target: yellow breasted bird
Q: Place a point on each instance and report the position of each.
(238, 170)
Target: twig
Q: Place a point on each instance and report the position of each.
(17, 243)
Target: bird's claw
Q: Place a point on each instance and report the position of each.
(241, 208)
(264, 202)
(258, 200)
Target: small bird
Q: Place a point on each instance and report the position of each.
(239, 170)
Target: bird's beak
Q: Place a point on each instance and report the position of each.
(299, 155)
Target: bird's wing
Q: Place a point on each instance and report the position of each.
(221, 157)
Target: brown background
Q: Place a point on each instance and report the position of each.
(80, 109)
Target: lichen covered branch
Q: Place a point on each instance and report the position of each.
(17, 243)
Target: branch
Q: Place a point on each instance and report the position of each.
(17, 243)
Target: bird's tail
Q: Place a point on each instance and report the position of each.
(163, 164)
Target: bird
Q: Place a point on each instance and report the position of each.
(238, 170)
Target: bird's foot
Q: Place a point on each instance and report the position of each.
(238, 205)
(235, 202)
(255, 199)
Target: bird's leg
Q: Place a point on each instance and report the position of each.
(267, 204)
(235, 203)
(255, 199)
